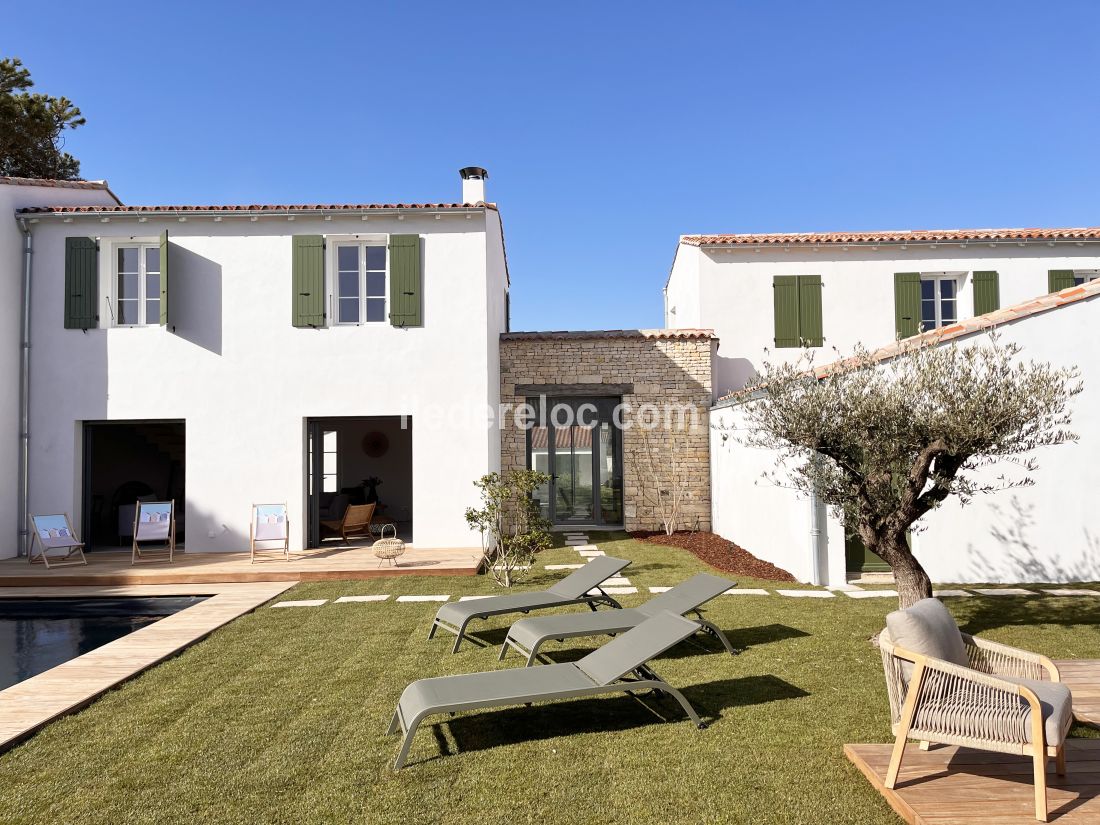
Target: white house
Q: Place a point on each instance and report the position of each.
(1049, 532)
(230, 355)
(836, 290)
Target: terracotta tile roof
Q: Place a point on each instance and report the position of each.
(1086, 233)
(653, 334)
(1044, 303)
(59, 184)
(249, 209)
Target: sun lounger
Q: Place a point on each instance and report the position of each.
(573, 589)
(618, 666)
(528, 635)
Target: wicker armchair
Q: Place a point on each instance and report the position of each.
(996, 701)
(355, 523)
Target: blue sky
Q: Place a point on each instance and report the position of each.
(608, 130)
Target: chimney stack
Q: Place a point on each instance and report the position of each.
(473, 184)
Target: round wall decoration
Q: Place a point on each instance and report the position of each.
(376, 444)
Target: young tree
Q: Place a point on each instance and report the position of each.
(511, 523)
(660, 474)
(883, 443)
(31, 126)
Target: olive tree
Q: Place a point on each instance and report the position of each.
(511, 524)
(885, 441)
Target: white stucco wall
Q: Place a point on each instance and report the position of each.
(14, 197)
(1049, 532)
(245, 380)
(496, 298)
(771, 522)
(731, 292)
(682, 308)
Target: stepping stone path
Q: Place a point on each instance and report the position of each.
(1003, 591)
(1062, 591)
(807, 594)
(870, 594)
(620, 586)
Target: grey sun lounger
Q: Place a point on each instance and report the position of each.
(528, 635)
(573, 589)
(618, 666)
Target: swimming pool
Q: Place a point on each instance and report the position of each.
(38, 634)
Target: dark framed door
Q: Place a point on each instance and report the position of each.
(577, 443)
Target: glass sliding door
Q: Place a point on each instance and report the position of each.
(580, 448)
(572, 476)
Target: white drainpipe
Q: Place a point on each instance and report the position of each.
(25, 392)
(819, 537)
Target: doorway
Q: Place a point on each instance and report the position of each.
(357, 460)
(126, 462)
(577, 443)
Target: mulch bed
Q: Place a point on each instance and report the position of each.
(718, 552)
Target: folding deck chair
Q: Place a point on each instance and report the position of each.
(154, 521)
(618, 666)
(55, 532)
(528, 635)
(573, 589)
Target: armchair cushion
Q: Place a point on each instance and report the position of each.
(928, 628)
(1057, 704)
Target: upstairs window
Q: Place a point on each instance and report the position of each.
(137, 285)
(939, 300)
(1084, 276)
(361, 283)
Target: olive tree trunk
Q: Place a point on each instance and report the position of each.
(910, 580)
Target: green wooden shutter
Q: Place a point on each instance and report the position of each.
(308, 280)
(405, 281)
(81, 283)
(785, 299)
(809, 310)
(164, 278)
(1059, 279)
(907, 303)
(987, 292)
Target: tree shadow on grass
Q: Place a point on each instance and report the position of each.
(979, 615)
(482, 731)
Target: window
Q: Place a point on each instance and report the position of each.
(1084, 276)
(360, 289)
(329, 476)
(137, 285)
(939, 300)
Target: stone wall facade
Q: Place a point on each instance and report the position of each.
(664, 380)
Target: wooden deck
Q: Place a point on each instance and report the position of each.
(110, 567)
(959, 786)
(30, 704)
(1083, 678)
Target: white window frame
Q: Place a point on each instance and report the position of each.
(1085, 275)
(935, 277)
(109, 273)
(359, 241)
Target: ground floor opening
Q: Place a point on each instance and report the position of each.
(126, 462)
(351, 464)
(577, 442)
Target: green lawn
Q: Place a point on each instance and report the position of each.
(280, 717)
